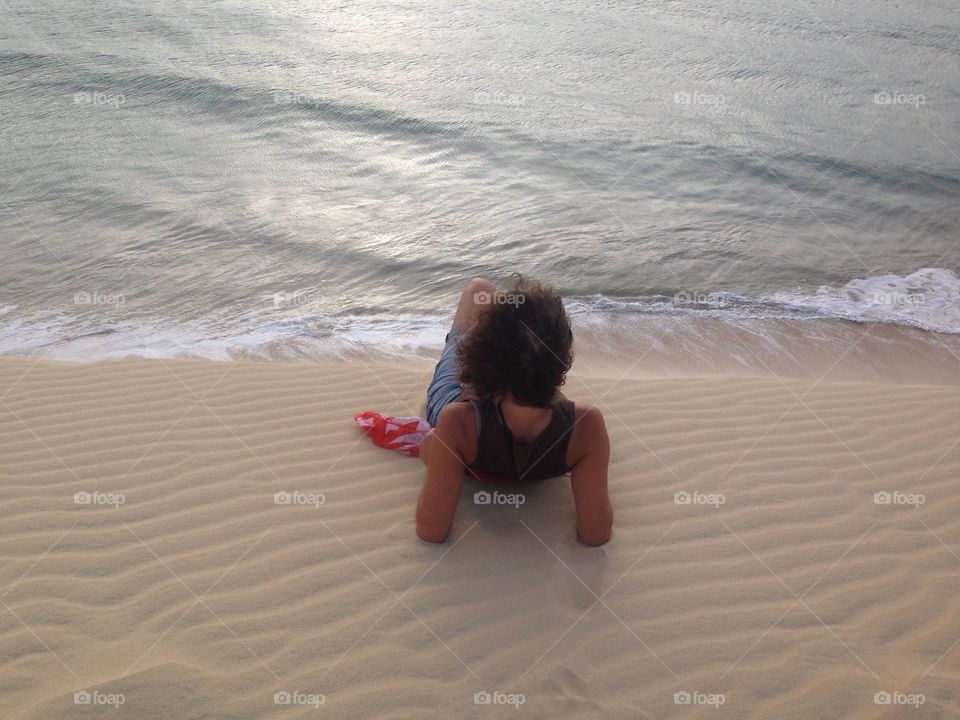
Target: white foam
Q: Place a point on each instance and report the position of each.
(64, 337)
(928, 298)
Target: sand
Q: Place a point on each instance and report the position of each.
(180, 586)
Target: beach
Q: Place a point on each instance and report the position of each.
(199, 539)
(230, 226)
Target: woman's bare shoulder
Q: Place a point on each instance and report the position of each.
(458, 424)
(589, 431)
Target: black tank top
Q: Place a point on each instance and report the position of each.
(499, 454)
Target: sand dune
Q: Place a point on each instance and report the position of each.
(178, 585)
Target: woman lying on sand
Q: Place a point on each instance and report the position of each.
(496, 409)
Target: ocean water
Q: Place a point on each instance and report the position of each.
(288, 179)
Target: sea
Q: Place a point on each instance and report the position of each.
(285, 179)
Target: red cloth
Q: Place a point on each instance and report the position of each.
(402, 434)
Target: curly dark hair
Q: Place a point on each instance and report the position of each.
(521, 343)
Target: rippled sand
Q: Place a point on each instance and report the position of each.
(177, 583)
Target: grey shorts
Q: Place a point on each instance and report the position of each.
(444, 387)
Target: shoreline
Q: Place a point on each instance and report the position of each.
(649, 347)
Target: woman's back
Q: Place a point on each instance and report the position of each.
(501, 454)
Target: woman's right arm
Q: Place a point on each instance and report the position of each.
(588, 479)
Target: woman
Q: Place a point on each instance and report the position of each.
(497, 412)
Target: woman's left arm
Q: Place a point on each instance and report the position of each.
(425, 447)
(441, 491)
